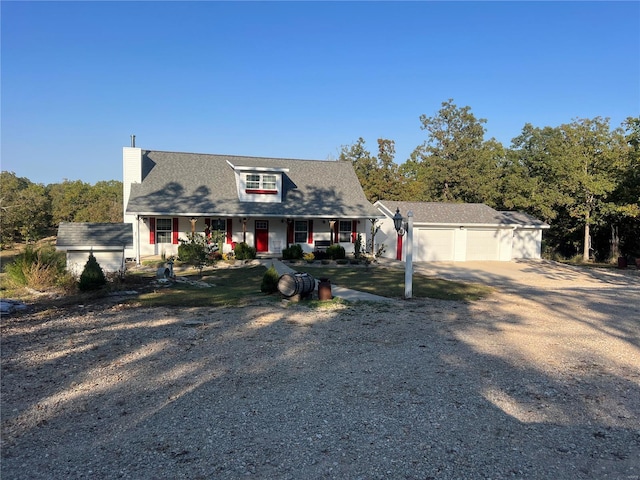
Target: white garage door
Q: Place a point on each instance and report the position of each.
(483, 245)
(434, 245)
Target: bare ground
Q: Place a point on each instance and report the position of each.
(540, 380)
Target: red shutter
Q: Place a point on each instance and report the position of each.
(336, 231)
(175, 231)
(152, 230)
(229, 230)
(310, 232)
(354, 231)
(207, 222)
(290, 232)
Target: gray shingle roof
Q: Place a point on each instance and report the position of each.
(524, 219)
(439, 213)
(96, 235)
(447, 213)
(201, 184)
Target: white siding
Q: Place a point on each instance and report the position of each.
(131, 173)
(527, 243)
(109, 261)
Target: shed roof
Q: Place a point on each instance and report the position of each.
(202, 184)
(112, 236)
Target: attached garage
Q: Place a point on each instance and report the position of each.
(445, 232)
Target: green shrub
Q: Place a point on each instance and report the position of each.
(293, 252)
(244, 252)
(336, 252)
(270, 281)
(38, 268)
(92, 277)
(193, 251)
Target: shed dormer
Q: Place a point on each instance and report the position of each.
(259, 184)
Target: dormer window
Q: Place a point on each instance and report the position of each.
(261, 183)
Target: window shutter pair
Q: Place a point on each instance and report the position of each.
(152, 231)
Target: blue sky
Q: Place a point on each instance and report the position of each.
(296, 79)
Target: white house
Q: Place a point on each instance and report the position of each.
(269, 203)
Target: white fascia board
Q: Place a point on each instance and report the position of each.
(95, 248)
(465, 225)
(386, 212)
(240, 168)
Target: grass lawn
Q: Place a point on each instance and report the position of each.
(236, 285)
(231, 286)
(390, 283)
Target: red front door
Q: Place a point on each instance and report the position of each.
(262, 236)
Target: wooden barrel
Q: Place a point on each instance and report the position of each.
(291, 284)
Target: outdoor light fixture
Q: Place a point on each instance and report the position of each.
(398, 222)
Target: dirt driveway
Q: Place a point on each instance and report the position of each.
(539, 380)
(541, 274)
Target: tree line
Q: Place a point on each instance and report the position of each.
(30, 211)
(583, 177)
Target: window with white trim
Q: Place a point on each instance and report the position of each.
(300, 231)
(253, 181)
(261, 183)
(163, 230)
(269, 182)
(344, 232)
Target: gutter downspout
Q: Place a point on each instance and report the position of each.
(138, 240)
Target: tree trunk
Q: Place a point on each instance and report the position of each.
(587, 240)
(615, 242)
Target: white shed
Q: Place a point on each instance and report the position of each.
(107, 241)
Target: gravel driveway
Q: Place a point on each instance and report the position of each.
(540, 380)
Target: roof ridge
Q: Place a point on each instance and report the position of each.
(146, 151)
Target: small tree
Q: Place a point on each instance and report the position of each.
(270, 280)
(92, 277)
(193, 250)
(357, 247)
